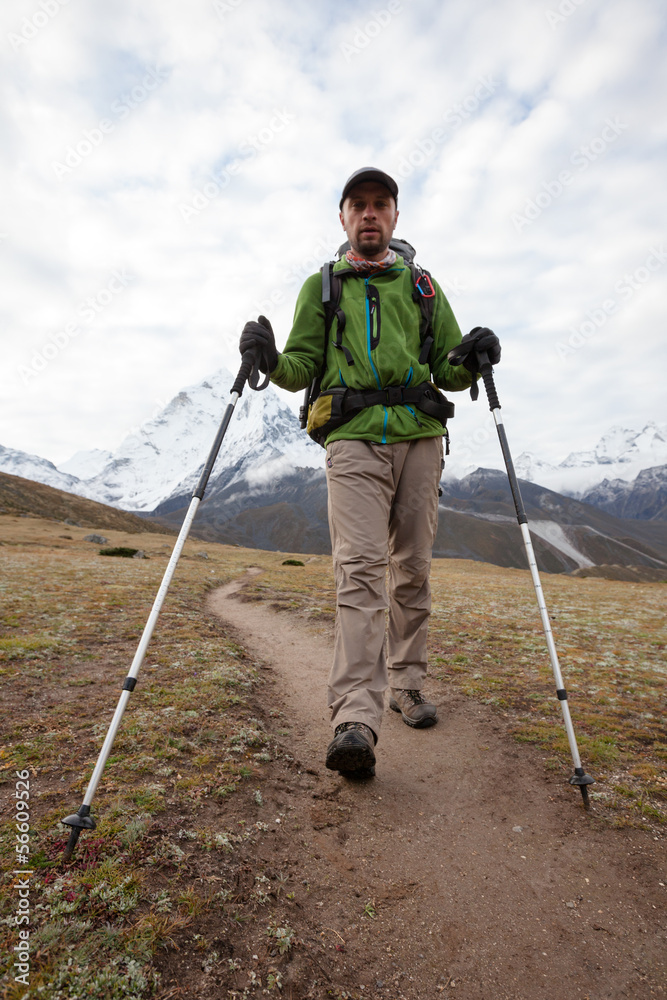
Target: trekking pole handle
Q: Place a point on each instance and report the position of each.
(247, 364)
(485, 369)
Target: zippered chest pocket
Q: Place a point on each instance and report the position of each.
(373, 315)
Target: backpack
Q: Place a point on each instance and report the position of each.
(337, 406)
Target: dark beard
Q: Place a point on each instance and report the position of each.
(374, 248)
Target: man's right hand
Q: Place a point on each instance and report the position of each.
(258, 338)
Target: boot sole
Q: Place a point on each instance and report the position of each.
(351, 759)
(426, 723)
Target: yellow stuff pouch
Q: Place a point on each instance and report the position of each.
(325, 414)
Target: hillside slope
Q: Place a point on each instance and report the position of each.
(24, 496)
(477, 521)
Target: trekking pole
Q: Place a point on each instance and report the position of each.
(81, 819)
(579, 777)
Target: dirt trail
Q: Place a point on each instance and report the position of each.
(486, 875)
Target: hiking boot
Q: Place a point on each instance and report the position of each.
(351, 750)
(414, 708)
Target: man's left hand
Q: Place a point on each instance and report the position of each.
(481, 339)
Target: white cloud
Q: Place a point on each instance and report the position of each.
(187, 90)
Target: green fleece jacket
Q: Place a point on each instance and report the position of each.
(382, 336)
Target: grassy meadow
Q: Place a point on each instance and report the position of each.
(196, 731)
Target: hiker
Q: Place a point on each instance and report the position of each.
(384, 455)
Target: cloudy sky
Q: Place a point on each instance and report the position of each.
(171, 169)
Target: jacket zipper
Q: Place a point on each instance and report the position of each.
(368, 349)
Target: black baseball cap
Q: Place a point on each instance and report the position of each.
(369, 174)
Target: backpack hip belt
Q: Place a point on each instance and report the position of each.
(335, 407)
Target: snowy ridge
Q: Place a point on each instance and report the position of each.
(645, 497)
(164, 459)
(264, 444)
(620, 454)
(86, 464)
(40, 470)
(555, 535)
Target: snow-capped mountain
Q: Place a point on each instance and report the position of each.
(165, 457)
(40, 470)
(264, 445)
(268, 488)
(645, 498)
(86, 464)
(620, 454)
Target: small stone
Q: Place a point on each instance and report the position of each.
(571, 906)
(517, 829)
(140, 554)
(96, 539)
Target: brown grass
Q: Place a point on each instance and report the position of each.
(71, 621)
(486, 638)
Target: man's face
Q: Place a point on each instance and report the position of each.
(369, 218)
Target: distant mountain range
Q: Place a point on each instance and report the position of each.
(645, 498)
(268, 488)
(621, 455)
(477, 521)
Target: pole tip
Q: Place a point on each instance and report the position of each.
(583, 781)
(71, 843)
(78, 821)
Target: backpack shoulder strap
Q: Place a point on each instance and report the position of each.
(332, 286)
(423, 293)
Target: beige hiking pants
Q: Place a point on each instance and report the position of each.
(383, 511)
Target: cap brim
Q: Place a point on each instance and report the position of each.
(365, 175)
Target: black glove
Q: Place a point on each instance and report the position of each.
(479, 339)
(258, 337)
